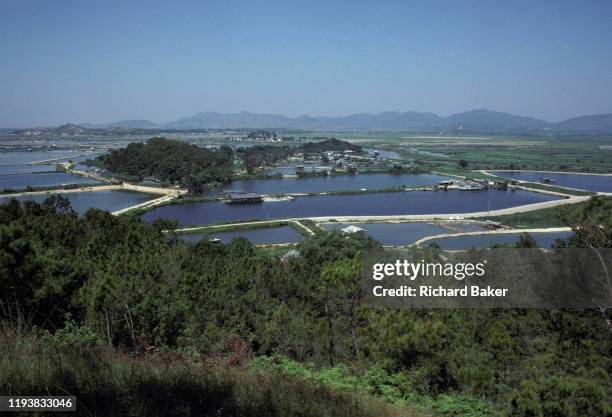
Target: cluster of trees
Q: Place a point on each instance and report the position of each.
(263, 155)
(332, 144)
(194, 167)
(171, 161)
(136, 289)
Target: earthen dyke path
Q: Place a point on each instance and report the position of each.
(169, 194)
(494, 232)
(487, 172)
(411, 217)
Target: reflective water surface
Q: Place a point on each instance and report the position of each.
(545, 240)
(394, 203)
(601, 183)
(334, 183)
(111, 200)
(401, 234)
(22, 181)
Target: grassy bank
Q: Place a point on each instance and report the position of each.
(555, 189)
(532, 219)
(581, 154)
(533, 185)
(183, 199)
(57, 189)
(234, 227)
(394, 389)
(548, 217)
(108, 383)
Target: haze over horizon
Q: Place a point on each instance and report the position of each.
(99, 63)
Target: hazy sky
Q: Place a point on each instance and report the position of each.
(77, 61)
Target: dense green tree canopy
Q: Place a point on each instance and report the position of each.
(139, 289)
(332, 144)
(171, 161)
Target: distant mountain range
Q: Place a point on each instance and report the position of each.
(474, 120)
(480, 120)
(126, 124)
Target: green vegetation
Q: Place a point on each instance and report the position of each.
(547, 217)
(579, 154)
(302, 228)
(247, 226)
(195, 167)
(181, 199)
(163, 384)
(30, 189)
(263, 155)
(171, 161)
(98, 283)
(452, 171)
(394, 388)
(255, 157)
(235, 226)
(468, 174)
(553, 217)
(332, 144)
(555, 189)
(310, 174)
(274, 251)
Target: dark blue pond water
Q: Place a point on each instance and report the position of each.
(406, 233)
(406, 202)
(20, 158)
(334, 183)
(545, 240)
(602, 183)
(268, 235)
(21, 181)
(106, 200)
(25, 169)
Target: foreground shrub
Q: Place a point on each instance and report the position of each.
(108, 383)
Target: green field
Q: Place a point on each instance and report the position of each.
(564, 153)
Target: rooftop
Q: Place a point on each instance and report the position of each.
(352, 229)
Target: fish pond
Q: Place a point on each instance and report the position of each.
(544, 240)
(268, 235)
(59, 155)
(600, 183)
(389, 203)
(402, 234)
(334, 183)
(52, 179)
(25, 169)
(111, 200)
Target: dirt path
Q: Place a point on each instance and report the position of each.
(404, 217)
(62, 191)
(546, 172)
(458, 216)
(494, 232)
(254, 223)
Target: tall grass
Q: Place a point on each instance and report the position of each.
(108, 383)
